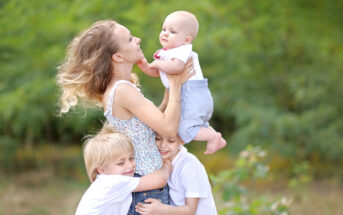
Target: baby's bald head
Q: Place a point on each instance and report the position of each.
(189, 22)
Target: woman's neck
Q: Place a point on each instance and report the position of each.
(122, 72)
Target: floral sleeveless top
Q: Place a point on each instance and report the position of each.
(147, 156)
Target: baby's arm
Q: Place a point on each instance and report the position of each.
(155, 180)
(147, 68)
(170, 67)
(154, 206)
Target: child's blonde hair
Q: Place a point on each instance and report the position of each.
(88, 67)
(103, 147)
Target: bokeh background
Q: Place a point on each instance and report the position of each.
(274, 69)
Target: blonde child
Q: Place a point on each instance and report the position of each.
(190, 190)
(110, 165)
(98, 68)
(179, 30)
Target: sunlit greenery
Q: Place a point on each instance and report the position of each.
(274, 69)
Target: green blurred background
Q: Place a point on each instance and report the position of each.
(274, 69)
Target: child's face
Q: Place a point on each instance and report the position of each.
(168, 147)
(173, 33)
(122, 165)
(129, 48)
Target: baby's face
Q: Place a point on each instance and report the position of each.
(173, 32)
(168, 146)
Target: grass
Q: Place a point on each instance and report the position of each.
(38, 193)
(42, 193)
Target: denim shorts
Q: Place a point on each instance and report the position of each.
(196, 108)
(161, 194)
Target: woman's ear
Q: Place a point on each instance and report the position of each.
(117, 58)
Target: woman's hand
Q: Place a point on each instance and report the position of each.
(187, 72)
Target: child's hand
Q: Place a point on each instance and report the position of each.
(151, 207)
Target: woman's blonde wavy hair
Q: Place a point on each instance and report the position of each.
(88, 68)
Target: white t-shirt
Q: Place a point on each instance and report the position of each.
(182, 53)
(189, 180)
(108, 195)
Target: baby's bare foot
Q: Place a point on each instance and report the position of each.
(214, 145)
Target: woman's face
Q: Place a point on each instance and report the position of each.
(169, 147)
(129, 48)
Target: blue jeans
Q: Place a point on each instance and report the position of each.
(161, 194)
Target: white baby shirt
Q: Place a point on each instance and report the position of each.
(181, 53)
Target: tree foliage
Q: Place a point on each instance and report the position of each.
(274, 69)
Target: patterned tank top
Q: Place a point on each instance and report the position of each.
(147, 156)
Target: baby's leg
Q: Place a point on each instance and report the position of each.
(214, 139)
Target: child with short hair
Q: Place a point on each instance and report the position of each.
(179, 30)
(110, 165)
(190, 189)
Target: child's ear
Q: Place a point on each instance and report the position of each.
(100, 170)
(188, 40)
(117, 58)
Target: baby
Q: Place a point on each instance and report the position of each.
(179, 30)
(110, 165)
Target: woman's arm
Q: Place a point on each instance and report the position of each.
(164, 103)
(155, 207)
(154, 180)
(164, 123)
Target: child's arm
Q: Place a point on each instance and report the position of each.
(154, 206)
(164, 103)
(170, 67)
(147, 68)
(154, 180)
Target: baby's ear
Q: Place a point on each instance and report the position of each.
(188, 39)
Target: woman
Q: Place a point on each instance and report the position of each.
(98, 68)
